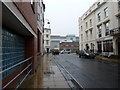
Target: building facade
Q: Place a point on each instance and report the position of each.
(40, 25)
(19, 41)
(69, 38)
(65, 42)
(73, 46)
(95, 26)
(47, 40)
(55, 42)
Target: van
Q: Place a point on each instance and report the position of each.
(68, 51)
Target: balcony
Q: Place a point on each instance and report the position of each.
(115, 31)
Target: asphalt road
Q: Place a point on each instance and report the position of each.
(90, 73)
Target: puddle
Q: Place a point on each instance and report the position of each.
(49, 73)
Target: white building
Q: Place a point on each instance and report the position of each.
(57, 39)
(47, 39)
(55, 42)
(95, 26)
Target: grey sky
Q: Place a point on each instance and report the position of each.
(63, 15)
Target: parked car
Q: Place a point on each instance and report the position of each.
(86, 53)
(68, 51)
(55, 52)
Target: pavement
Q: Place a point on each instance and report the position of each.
(47, 76)
(108, 59)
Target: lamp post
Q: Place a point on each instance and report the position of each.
(48, 22)
(47, 27)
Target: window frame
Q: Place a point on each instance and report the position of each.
(99, 16)
(99, 31)
(106, 28)
(106, 12)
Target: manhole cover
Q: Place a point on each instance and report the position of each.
(49, 73)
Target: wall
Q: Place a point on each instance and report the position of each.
(28, 13)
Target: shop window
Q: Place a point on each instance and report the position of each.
(108, 46)
(99, 47)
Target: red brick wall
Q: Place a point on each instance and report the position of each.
(27, 12)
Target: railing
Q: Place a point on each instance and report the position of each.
(115, 31)
(28, 66)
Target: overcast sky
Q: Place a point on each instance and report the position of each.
(63, 15)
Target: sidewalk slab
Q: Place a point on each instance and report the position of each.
(47, 76)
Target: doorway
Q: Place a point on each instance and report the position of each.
(47, 50)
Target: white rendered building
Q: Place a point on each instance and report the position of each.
(97, 26)
(47, 39)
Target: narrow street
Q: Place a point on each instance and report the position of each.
(90, 73)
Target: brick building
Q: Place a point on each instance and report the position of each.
(73, 46)
(20, 41)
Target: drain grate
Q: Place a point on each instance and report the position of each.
(49, 73)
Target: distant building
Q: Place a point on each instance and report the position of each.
(64, 42)
(99, 28)
(69, 38)
(55, 42)
(47, 39)
(73, 46)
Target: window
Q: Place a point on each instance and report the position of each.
(87, 35)
(47, 42)
(66, 45)
(108, 46)
(99, 47)
(82, 46)
(90, 34)
(47, 36)
(81, 28)
(99, 17)
(119, 3)
(90, 22)
(86, 25)
(81, 37)
(107, 28)
(100, 31)
(106, 12)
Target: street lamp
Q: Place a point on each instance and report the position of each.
(48, 22)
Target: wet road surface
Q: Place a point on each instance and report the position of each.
(90, 73)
